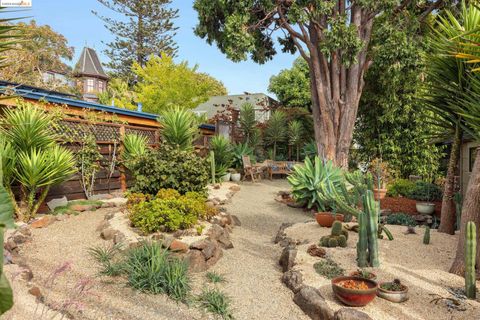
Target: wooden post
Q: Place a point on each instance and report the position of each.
(123, 176)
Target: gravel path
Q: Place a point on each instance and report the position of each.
(251, 267)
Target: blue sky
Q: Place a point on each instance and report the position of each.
(73, 18)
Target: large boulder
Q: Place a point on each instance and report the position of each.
(43, 222)
(287, 259)
(293, 280)
(59, 202)
(351, 314)
(196, 261)
(178, 246)
(311, 302)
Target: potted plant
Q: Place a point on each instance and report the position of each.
(393, 291)
(381, 174)
(354, 291)
(425, 193)
(327, 214)
(362, 273)
(235, 175)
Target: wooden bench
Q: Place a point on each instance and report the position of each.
(280, 167)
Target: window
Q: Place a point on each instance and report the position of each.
(100, 86)
(90, 85)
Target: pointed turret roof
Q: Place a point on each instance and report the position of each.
(89, 65)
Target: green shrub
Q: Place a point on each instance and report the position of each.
(425, 191)
(169, 168)
(402, 219)
(215, 301)
(400, 188)
(150, 268)
(214, 277)
(170, 211)
(107, 258)
(134, 198)
(328, 269)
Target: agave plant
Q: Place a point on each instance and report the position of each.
(31, 157)
(276, 130)
(179, 127)
(307, 182)
(239, 150)
(134, 146)
(222, 148)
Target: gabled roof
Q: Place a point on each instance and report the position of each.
(89, 65)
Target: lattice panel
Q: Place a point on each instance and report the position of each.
(149, 134)
(77, 131)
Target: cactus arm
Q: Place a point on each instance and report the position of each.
(362, 244)
(371, 209)
(212, 166)
(387, 233)
(470, 252)
(426, 236)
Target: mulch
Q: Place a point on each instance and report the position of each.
(405, 205)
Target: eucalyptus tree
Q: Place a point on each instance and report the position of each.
(332, 36)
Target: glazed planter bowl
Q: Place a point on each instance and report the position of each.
(326, 219)
(236, 177)
(379, 194)
(393, 296)
(425, 207)
(372, 275)
(353, 297)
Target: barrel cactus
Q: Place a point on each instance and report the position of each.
(338, 237)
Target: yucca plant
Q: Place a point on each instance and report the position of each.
(179, 127)
(222, 148)
(32, 157)
(295, 133)
(247, 122)
(276, 130)
(134, 146)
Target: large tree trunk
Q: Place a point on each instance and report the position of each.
(470, 212)
(448, 216)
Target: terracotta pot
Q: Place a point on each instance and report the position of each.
(352, 297)
(326, 219)
(379, 194)
(393, 296)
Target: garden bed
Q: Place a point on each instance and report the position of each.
(405, 205)
(425, 271)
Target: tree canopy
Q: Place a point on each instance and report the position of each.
(292, 86)
(45, 50)
(144, 28)
(162, 83)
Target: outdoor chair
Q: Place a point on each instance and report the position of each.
(251, 170)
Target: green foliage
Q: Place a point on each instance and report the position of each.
(88, 163)
(310, 150)
(151, 269)
(134, 198)
(247, 123)
(215, 301)
(141, 29)
(338, 236)
(306, 182)
(395, 285)
(426, 236)
(276, 130)
(402, 219)
(425, 191)
(164, 84)
(179, 127)
(222, 149)
(292, 86)
(215, 277)
(400, 188)
(238, 151)
(170, 211)
(168, 167)
(106, 258)
(134, 146)
(118, 94)
(336, 228)
(391, 124)
(33, 158)
(470, 254)
(295, 134)
(328, 268)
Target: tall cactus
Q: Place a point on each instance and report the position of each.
(212, 166)
(426, 236)
(470, 252)
(362, 244)
(371, 208)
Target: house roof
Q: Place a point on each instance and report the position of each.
(219, 103)
(89, 65)
(34, 93)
